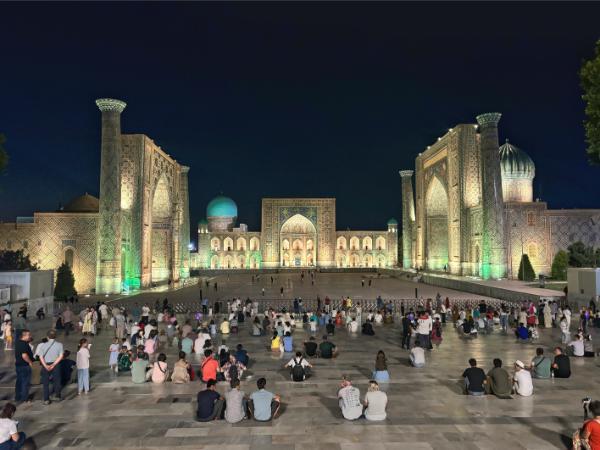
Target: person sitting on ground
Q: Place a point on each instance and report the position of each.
(210, 403)
(181, 370)
(225, 328)
(417, 357)
(263, 405)
(353, 325)
(10, 438)
(522, 383)
(378, 318)
(276, 344)
(576, 347)
(160, 371)
(475, 379)
(257, 328)
(236, 403)
(288, 343)
(327, 349)
(349, 400)
(203, 336)
(540, 365)
(561, 367)
(139, 367)
(330, 328)
(209, 367)
(367, 328)
(310, 347)
(498, 380)
(242, 355)
(522, 332)
(187, 345)
(124, 360)
(298, 366)
(233, 369)
(381, 374)
(375, 402)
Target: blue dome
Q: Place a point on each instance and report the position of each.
(392, 221)
(515, 163)
(221, 206)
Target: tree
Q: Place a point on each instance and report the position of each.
(590, 83)
(15, 260)
(65, 283)
(526, 272)
(3, 154)
(580, 255)
(559, 265)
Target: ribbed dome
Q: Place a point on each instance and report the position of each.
(221, 206)
(85, 203)
(392, 221)
(515, 163)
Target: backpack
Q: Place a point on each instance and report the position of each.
(298, 371)
(233, 372)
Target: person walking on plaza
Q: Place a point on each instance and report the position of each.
(83, 367)
(23, 364)
(51, 353)
(113, 351)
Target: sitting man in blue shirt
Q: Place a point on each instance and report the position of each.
(242, 355)
(210, 403)
(264, 405)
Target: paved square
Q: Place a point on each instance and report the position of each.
(426, 409)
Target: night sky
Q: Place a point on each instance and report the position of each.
(271, 100)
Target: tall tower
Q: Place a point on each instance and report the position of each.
(108, 264)
(493, 255)
(184, 241)
(408, 218)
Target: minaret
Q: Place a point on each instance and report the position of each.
(408, 218)
(184, 230)
(493, 255)
(108, 262)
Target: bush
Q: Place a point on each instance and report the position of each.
(559, 265)
(65, 283)
(526, 272)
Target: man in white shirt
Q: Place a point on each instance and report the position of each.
(145, 313)
(353, 326)
(203, 336)
(522, 383)
(424, 326)
(51, 353)
(576, 347)
(417, 357)
(349, 400)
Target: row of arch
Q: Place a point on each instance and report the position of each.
(354, 260)
(298, 244)
(234, 262)
(241, 244)
(355, 244)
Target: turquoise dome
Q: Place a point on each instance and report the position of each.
(221, 206)
(515, 163)
(392, 221)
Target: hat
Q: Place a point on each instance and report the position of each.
(519, 363)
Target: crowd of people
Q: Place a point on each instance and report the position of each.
(143, 335)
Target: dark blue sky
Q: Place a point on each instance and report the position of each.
(288, 99)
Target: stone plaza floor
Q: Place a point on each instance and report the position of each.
(426, 409)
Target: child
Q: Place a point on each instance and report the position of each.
(83, 367)
(114, 355)
(213, 328)
(124, 360)
(8, 335)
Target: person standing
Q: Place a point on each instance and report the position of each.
(424, 326)
(83, 367)
(51, 353)
(23, 364)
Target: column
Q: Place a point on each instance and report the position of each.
(493, 253)
(108, 256)
(408, 218)
(184, 253)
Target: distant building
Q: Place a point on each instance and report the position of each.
(473, 212)
(295, 232)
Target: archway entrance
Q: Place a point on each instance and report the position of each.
(161, 232)
(436, 214)
(301, 233)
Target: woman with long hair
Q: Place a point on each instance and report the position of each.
(381, 373)
(10, 438)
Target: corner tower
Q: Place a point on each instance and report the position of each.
(108, 264)
(493, 255)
